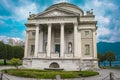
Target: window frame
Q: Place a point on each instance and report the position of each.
(87, 49)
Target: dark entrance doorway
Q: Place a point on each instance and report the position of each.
(57, 48)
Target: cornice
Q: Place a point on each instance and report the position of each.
(88, 22)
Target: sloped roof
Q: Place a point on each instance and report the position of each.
(65, 4)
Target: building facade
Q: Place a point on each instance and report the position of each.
(61, 37)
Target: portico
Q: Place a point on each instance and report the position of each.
(47, 51)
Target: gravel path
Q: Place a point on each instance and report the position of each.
(103, 73)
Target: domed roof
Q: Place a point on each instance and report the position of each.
(65, 4)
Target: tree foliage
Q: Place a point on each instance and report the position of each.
(3, 53)
(8, 51)
(15, 62)
(110, 56)
(101, 58)
(2, 50)
(18, 52)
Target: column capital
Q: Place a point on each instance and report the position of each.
(49, 24)
(75, 23)
(62, 24)
(37, 25)
(94, 30)
(27, 31)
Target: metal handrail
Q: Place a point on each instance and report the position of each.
(105, 77)
(3, 76)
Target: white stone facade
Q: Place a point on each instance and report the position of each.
(61, 37)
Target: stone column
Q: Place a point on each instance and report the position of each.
(79, 44)
(49, 40)
(94, 44)
(62, 40)
(40, 40)
(26, 45)
(36, 40)
(75, 39)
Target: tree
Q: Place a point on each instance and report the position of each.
(3, 52)
(10, 53)
(18, 52)
(15, 62)
(101, 58)
(110, 56)
(104, 59)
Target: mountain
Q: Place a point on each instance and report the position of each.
(103, 47)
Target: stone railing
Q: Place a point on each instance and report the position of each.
(42, 54)
(55, 55)
(68, 55)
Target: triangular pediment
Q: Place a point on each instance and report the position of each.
(57, 12)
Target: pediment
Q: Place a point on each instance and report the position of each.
(57, 12)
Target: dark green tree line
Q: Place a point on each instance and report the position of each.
(9, 52)
(3, 52)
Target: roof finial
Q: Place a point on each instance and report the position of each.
(29, 14)
(91, 11)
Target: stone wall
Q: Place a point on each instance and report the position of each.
(66, 64)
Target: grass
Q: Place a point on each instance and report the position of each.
(48, 74)
(8, 63)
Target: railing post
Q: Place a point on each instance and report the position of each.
(1, 76)
(111, 76)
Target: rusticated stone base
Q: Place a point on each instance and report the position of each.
(65, 64)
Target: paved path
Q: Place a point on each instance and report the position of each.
(103, 74)
(6, 67)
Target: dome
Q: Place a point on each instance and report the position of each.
(67, 6)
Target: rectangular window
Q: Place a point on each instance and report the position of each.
(32, 49)
(33, 33)
(86, 32)
(87, 49)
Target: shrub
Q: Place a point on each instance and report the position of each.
(15, 62)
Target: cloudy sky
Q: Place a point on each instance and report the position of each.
(14, 13)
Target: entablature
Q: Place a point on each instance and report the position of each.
(88, 22)
(48, 20)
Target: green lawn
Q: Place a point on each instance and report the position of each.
(48, 74)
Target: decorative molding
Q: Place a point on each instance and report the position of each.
(60, 10)
(88, 22)
(65, 5)
(53, 20)
(56, 13)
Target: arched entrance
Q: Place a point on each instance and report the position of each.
(54, 65)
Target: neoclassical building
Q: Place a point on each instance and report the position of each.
(61, 37)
